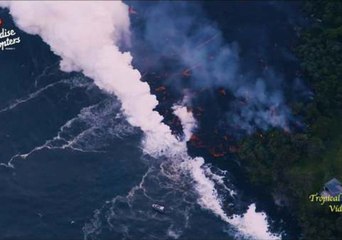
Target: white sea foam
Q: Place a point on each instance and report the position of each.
(208, 196)
(89, 131)
(219, 178)
(90, 46)
(31, 96)
(253, 224)
(75, 82)
(85, 35)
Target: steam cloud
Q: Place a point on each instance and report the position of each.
(85, 35)
(89, 46)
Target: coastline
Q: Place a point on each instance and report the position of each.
(295, 165)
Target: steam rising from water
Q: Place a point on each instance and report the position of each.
(70, 32)
(85, 35)
(187, 119)
(89, 44)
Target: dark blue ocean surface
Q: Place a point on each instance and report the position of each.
(73, 168)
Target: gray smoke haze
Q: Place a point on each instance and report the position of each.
(181, 32)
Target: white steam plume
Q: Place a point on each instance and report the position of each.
(187, 119)
(85, 35)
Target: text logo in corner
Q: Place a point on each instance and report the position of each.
(8, 38)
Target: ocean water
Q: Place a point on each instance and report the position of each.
(72, 167)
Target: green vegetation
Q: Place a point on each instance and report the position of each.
(296, 165)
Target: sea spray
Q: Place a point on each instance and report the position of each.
(68, 28)
(252, 224)
(85, 35)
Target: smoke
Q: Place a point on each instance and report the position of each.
(183, 34)
(89, 46)
(86, 36)
(258, 107)
(186, 117)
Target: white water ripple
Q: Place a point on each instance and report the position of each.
(89, 131)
